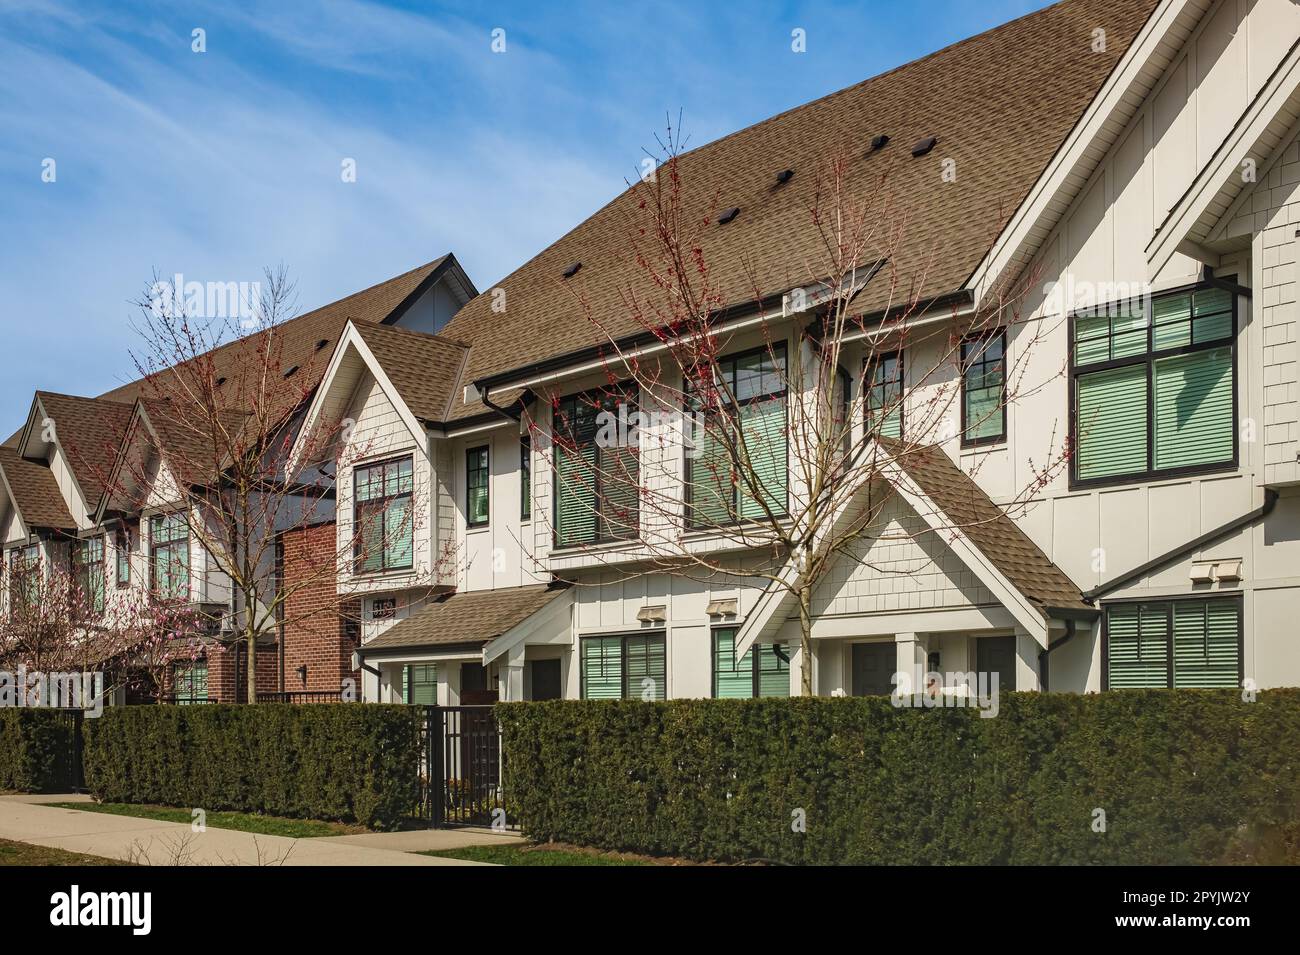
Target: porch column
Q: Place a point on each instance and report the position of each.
(1027, 649)
(909, 655)
(510, 682)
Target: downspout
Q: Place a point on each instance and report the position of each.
(1042, 654)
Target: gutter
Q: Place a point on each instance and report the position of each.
(1258, 514)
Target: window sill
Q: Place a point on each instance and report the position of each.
(1156, 478)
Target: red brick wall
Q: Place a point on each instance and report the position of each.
(222, 668)
(316, 631)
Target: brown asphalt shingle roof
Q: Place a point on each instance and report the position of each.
(971, 511)
(35, 492)
(474, 617)
(90, 431)
(1000, 104)
(423, 368)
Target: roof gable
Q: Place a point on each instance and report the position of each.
(35, 493)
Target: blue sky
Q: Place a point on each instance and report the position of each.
(214, 164)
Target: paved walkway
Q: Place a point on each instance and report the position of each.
(150, 842)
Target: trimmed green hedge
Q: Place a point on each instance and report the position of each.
(347, 762)
(35, 750)
(1183, 776)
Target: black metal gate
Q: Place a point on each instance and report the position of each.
(461, 767)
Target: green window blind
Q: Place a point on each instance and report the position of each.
(576, 469)
(711, 477)
(1193, 409)
(646, 665)
(732, 678)
(602, 668)
(476, 486)
(420, 684)
(526, 478)
(384, 516)
(190, 682)
(1112, 422)
(88, 572)
(1137, 639)
(170, 539)
(1207, 649)
(883, 398)
(984, 388)
(597, 468)
(773, 670)
(763, 425)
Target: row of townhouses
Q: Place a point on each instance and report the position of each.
(1134, 164)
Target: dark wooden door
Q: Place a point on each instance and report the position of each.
(874, 665)
(473, 686)
(997, 655)
(546, 680)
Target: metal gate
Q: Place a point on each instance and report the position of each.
(461, 767)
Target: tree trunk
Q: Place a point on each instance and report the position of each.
(252, 667)
(805, 643)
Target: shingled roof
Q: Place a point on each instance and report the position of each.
(1000, 105)
(423, 368)
(35, 492)
(90, 431)
(475, 618)
(969, 510)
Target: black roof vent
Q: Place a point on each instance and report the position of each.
(728, 215)
(572, 270)
(322, 343)
(221, 381)
(924, 146)
(878, 142)
(784, 176)
(291, 371)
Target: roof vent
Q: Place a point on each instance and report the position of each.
(221, 381)
(291, 371)
(322, 343)
(924, 146)
(784, 176)
(878, 142)
(728, 215)
(572, 270)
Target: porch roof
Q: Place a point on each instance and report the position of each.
(463, 618)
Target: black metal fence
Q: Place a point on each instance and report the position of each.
(461, 767)
(306, 696)
(71, 773)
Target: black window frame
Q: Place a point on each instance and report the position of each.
(155, 522)
(383, 502)
(966, 365)
(627, 390)
(868, 388)
(23, 560)
(526, 478)
(784, 394)
(485, 471)
(756, 664)
(1236, 597)
(1149, 358)
(623, 638)
(79, 566)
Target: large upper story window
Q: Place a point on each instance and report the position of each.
(24, 577)
(169, 556)
(477, 483)
(88, 573)
(122, 542)
(882, 394)
(984, 389)
(526, 478)
(1194, 642)
(384, 516)
(737, 467)
(597, 468)
(1154, 387)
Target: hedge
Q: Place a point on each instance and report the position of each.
(1183, 776)
(352, 763)
(36, 750)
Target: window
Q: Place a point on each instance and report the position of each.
(1154, 387)
(763, 671)
(526, 478)
(597, 468)
(169, 537)
(476, 486)
(384, 517)
(1174, 643)
(420, 684)
(882, 394)
(122, 555)
(754, 427)
(190, 682)
(983, 389)
(88, 573)
(24, 577)
(629, 667)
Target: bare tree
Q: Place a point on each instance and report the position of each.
(788, 467)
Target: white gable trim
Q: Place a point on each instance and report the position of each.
(555, 615)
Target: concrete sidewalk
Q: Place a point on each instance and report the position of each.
(149, 842)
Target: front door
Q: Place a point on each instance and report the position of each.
(874, 665)
(546, 679)
(473, 686)
(997, 655)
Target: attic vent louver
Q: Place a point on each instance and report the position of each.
(784, 176)
(728, 215)
(878, 142)
(924, 146)
(572, 270)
